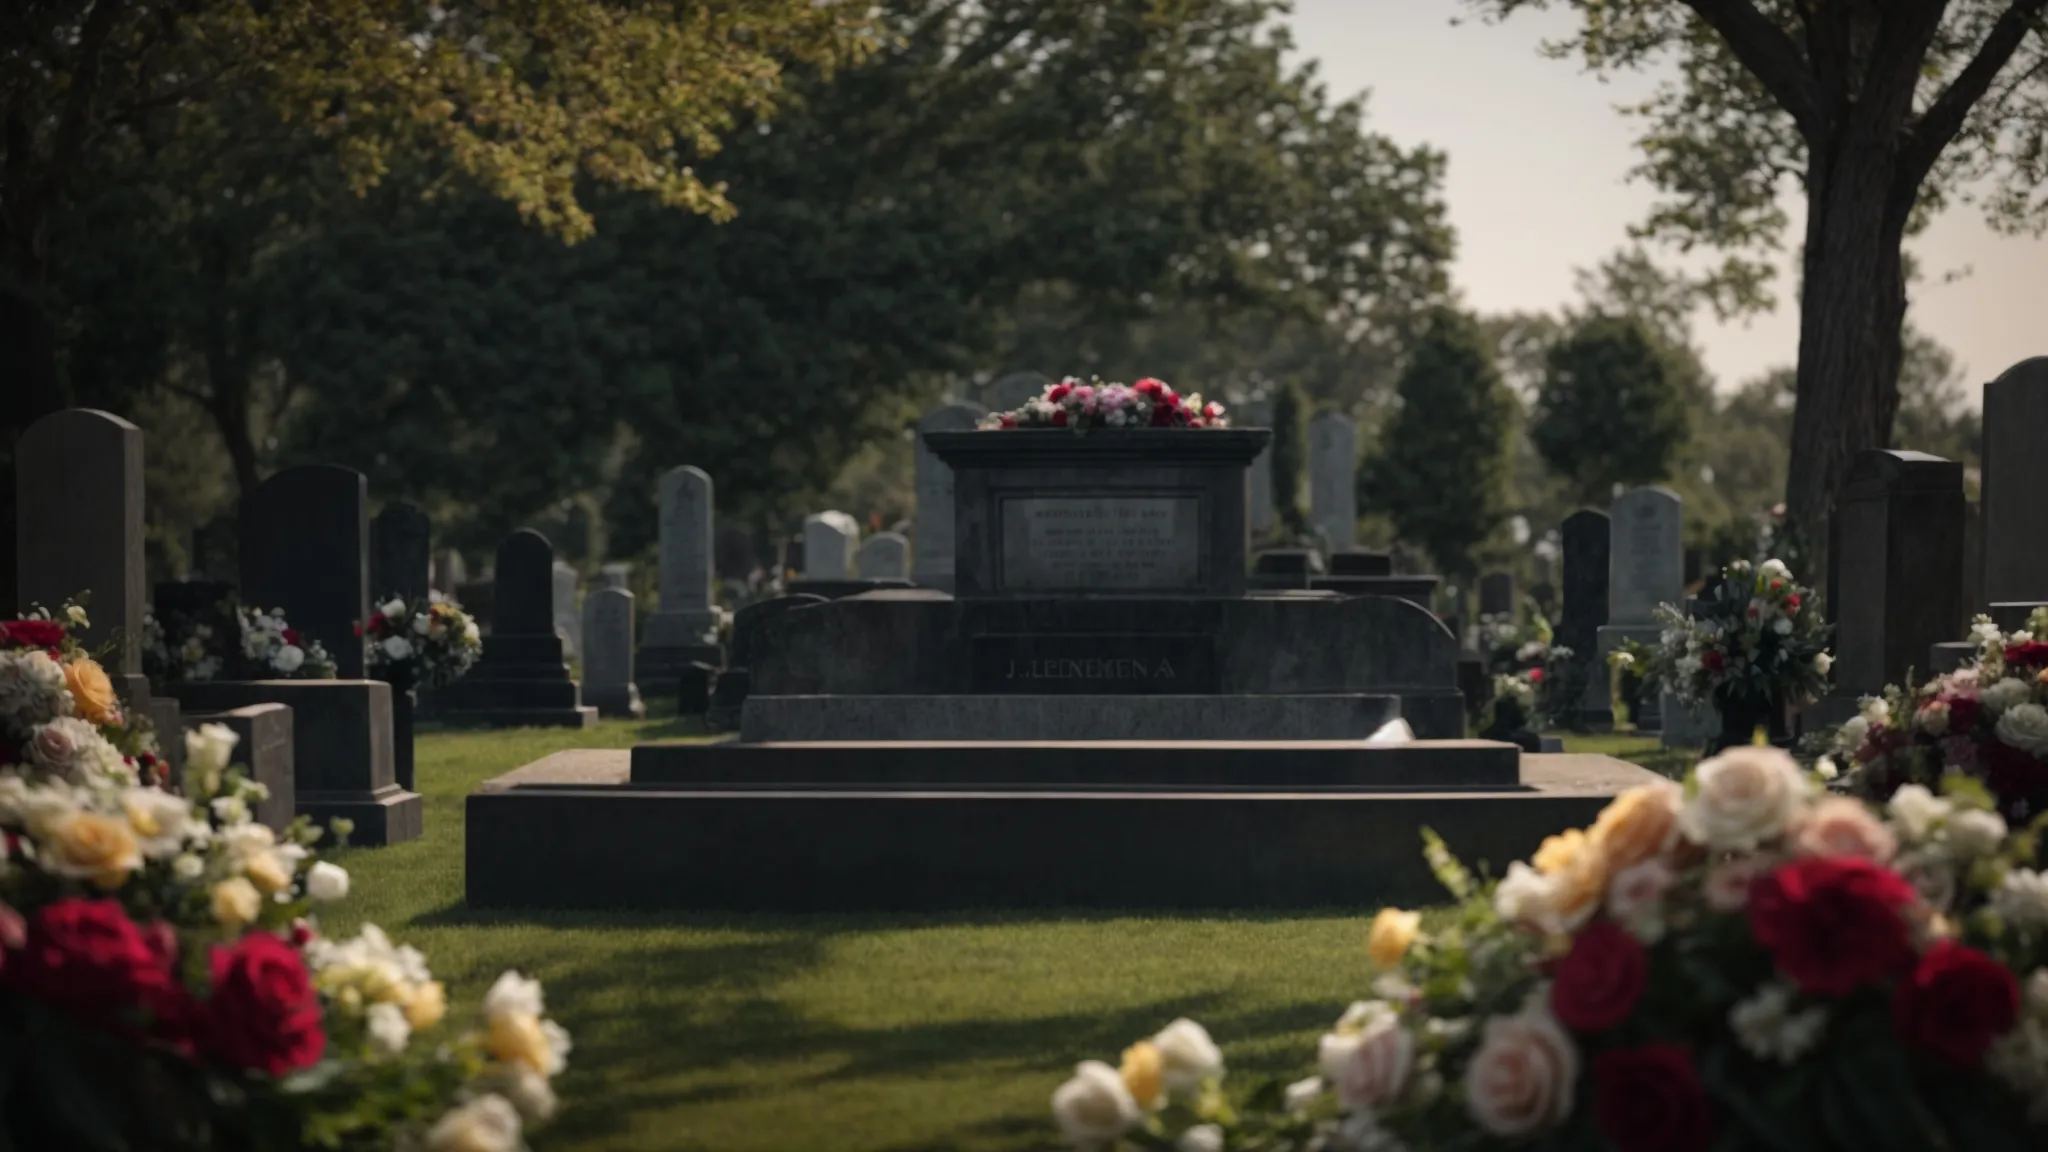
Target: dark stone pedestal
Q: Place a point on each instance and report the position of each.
(265, 748)
(342, 751)
(663, 664)
(693, 691)
(1950, 655)
(519, 682)
(841, 589)
(622, 702)
(1417, 589)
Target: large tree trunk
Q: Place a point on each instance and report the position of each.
(1852, 306)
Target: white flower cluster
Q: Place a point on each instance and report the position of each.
(1100, 1104)
(527, 1050)
(2019, 1059)
(1769, 1028)
(264, 641)
(435, 638)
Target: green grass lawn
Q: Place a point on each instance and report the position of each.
(846, 1032)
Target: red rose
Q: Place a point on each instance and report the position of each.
(1598, 982)
(1962, 713)
(263, 1014)
(1009, 421)
(1711, 660)
(1955, 1003)
(2032, 654)
(291, 636)
(1833, 923)
(1535, 675)
(88, 957)
(1058, 392)
(44, 634)
(1059, 418)
(2019, 781)
(1650, 1099)
(1792, 602)
(1148, 387)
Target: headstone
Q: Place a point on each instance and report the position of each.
(932, 562)
(693, 688)
(1497, 594)
(521, 679)
(305, 548)
(568, 619)
(450, 573)
(1973, 566)
(1900, 569)
(1362, 562)
(829, 541)
(608, 654)
(674, 634)
(265, 749)
(78, 524)
(615, 575)
(399, 551)
(1646, 568)
(885, 556)
(1259, 477)
(729, 694)
(1333, 479)
(2015, 498)
(1584, 539)
(1010, 392)
(479, 598)
(1280, 568)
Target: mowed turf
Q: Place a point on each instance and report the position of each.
(852, 1033)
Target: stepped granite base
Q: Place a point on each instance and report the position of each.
(1304, 717)
(578, 830)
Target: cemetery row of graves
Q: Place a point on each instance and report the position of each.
(1073, 668)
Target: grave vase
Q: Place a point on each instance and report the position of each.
(1742, 713)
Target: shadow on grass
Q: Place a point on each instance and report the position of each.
(832, 923)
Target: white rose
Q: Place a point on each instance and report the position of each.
(59, 746)
(1768, 1029)
(1094, 1107)
(326, 882)
(229, 810)
(397, 647)
(2022, 898)
(514, 995)
(1300, 1094)
(188, 867)
(529, 1091)
(1972, 833)
(1369, 1068)
(1521, 1080)
(2025, 727)
(422, 623)
(1825, 768)
(1522, 895)
(288, 658)
(393, 608)
(1746, 796)
(209, 748)
(1188, 1057)
(1781, 626)
(1824, 662)
(1916, 810)
(1200, 1138)
(388, 1028)
(1934, 718)
(1877, 710)
(485, 1124)
(160, 820)
(1996, 698)
(1774, 569)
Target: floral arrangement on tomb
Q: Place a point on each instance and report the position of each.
(423, 643)
(160, 955)
(1747, 961)
(1533, 685)
(235, 642)
(1987, 719)
(1756, 640)
(1628, 673)
(1149, 403)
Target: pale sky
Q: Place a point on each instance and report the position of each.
(1538, 181)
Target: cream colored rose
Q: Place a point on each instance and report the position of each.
(326, 882)
(426, 1006)
(2025, 727)
(1974, 832)
(1189, 1057)
(485, 1124)
(1635, 899)
(1521, 1080)
(1144, 1073)
(1746, 796)
(208, 749)
(1369, 1068)
(160, 820)
(1916, 811)
(1842, 826)
(1200, 1138)
(267, 872)
(1094, 1107)
(89, 846)
(235, 903)
(1637, 825)
(1393, 931)
(518, 1039)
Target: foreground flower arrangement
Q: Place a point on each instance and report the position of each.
(1744, 962)
(1756, 644)
(1148, 403)
(425, 643)
(262, 646)
(157, 955)
(1988, 720)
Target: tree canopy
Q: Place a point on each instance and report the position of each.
(1610, 410)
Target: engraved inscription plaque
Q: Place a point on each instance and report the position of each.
(1169, 664)
(1102, 543)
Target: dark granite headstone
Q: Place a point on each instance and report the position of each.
(693, 695)
(479, 598)
(1278, 568)
(78, 520)
(2016, 485)
(305, 548)
(1973, 565)
(1362, 562)
(1586, 536)
(735, 682)
(521, 679)
(1497, 594)
(400, 553)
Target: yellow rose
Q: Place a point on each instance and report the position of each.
(1559, 852)
(1392, 932)
(235, 903)
(1638, 825)
(428, 1004)
(92, 694)
(1144, 1074)
(517, 1038)
(89, 846)
(267, 872)
(1577, 890)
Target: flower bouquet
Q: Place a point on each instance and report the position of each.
(425, 643)
(1747, 962)
(1148, 403)
(1986, 720)
(158, 959)
(236, 643)
(1755, 645)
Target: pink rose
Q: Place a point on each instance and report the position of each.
(1729, 880)
(1521, 1080)
(1370, 1067)
(1635, 899)
(1842, 826)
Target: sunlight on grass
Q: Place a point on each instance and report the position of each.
(875, 1033)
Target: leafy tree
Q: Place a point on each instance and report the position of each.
(1442, 463)
(1609, 411)
(1882, 113)
(1289, 458)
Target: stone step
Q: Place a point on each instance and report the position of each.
(1281, 717)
